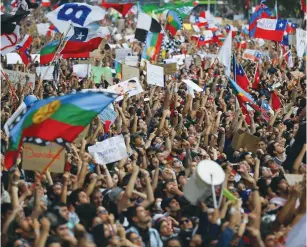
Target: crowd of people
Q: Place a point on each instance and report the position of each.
(139, 200)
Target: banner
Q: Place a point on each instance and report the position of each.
(110, 150)
(129, 72)
(35, 157)
(132, 86)
(301, 42)
(155, 75)
(15, 76)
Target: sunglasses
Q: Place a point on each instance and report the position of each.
(184, 221)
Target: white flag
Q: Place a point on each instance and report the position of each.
(224, 55)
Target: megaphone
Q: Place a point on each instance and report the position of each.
(201, 185)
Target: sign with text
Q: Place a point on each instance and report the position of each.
(155, 75)
(301, 42)
(132, 60)
(129, 72)
(15, 76)
(110, 150)
(35, 157)
(120, 54)
(170, 68)
(108, 114)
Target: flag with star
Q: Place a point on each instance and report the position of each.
(55, 119)
(23, 49)
(271, 29)
(241, 78)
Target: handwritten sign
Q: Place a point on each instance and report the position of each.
(108, 114)
(301, 42)
(131, 60)
(110, 150)
(155, 75)
(120, 54)
(35, 157)
(129, 72)
(15, 76)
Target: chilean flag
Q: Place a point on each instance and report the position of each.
(202, 40)
(275, 101)
(291, 28)
(271, 29)
(232, 28)
(23, 49)
(46, 3)
(85, 40)
(241, 78)
(242, 45)
(200, 20)
(52, 30)
(256, 78)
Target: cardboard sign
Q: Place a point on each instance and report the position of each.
(110, 150)
(155, 75)
(15, 76)
(120, 54)
(82, 70)
(132, 60)
(129, 72)
(170, 68)
(243, 139)
(82, 135)
(301, 42)
(45, 73)
(293, 179)
(35, 157)
(13, 58)
(108, 114)
(132, 86)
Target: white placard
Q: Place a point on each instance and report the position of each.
(132, 86)
(108, 114)
(155, 75)
(193, 85)
(82, 70)
(13, 58)
(301, 42)
(120, 54)
(35, 58)
(131, 60)
(110, 150)
(15, 76)
(41, 71)
(42, 28)
(130, 38)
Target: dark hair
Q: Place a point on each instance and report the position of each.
(5, 207)
(131, 212)
(86, 213)
(271, 148)
(74, 196)
(171, 239)
(51, 240)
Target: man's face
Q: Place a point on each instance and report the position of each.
(166, 229)
(185, 223)
(283, 186)
(142, 215)
(65, 213)
(83, 198)
(62, 231)
(97, 198)
(174, 206)
(249, 159)
(262, 145)
(279, 149)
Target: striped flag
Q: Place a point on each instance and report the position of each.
(23, 49)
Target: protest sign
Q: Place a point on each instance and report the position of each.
(98, 72)
(35, 157)
(108, 114)
(41, 71)
(243, 139)
(13, 58)
(110, 150)
(131, 60)
(170, 68)
(132, 86)
(15, 76)
(129, 72)
(301, 42)
(155, 75)
(120, 54)
(193, 85)
(293, 179)
(82, 70)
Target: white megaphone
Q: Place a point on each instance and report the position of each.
(201, 185)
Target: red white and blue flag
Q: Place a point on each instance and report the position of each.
(241, 78)
(23, 49)
(200, 20)
(261, 11)
(271, 29)
(291, 28)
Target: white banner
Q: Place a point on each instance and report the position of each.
(15, 76)
(301, 42)
(82, 70)
(110, 150)
(155, 75)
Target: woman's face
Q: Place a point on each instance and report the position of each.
(136, 239)
(115, 179)
(166, 228)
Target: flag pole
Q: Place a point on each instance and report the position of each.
(58, 50)
(49, 164)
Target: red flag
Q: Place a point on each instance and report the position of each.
(275, 101)
(121, 8)
(244, 111)
(241, 78)
(256, 78)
